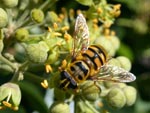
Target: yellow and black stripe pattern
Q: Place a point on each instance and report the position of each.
(85, 65)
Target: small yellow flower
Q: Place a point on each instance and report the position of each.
(10, 96)
(48, 68)
(112, 33)
(117, 7)
(61, 16)
(78, 11)
(107, 24)
(117, 13)
(55, 25)
(99, 10)
(44, 84)
(49, 29)
(57, 34)
(67, 36)
(65, 28)
(95, 20)
(95, 26)
(63, 65)
(107, 32)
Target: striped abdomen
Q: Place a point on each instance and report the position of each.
(95, 56)
(85, 65)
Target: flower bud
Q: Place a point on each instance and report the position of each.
(23, 4)
(115, 41)
(107, 44)
(59, 107)
(114, 62)
(10, 3)
(53, 57)
(37, 53)
(37, 15)
(110, 84)
(130, 94)
(3, 18)
(22, 34)
(121, 85)
(10, 95)
(51, 17)
(53, 41)
(116, 98)
(90, 90)
(125, 62)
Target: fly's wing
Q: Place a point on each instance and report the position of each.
(114, 73)
(81, 36)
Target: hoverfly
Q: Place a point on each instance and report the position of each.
(89, 61)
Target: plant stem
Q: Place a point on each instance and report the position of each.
(70, 98)
(6, 68)
(90, 106)
(6, 61)
(22, 18)
(9, 12)
(20, 71)
(32, 26)
(45, 4)
(32, 77)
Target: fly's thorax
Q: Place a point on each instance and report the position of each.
(79, 70)
(67, 81)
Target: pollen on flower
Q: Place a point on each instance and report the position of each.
(49, 29)
(99, 10)
(55, 26)
(7, 104)
(78, 12)
(107, 24)
(107, 32)
(112, 33)
(63, 65)
(95, 26)
(61, 16)
(65, 28)
(117, 7)
(100, 104)
(2, 107)
(15, 108)
(44, 84)
(59, 20)
(67, 36)
(57, 34)
(117, 13)
(95, 20)
(58, 44)
(116, 10)
(48, 68)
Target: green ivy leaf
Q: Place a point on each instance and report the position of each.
(33, 97)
